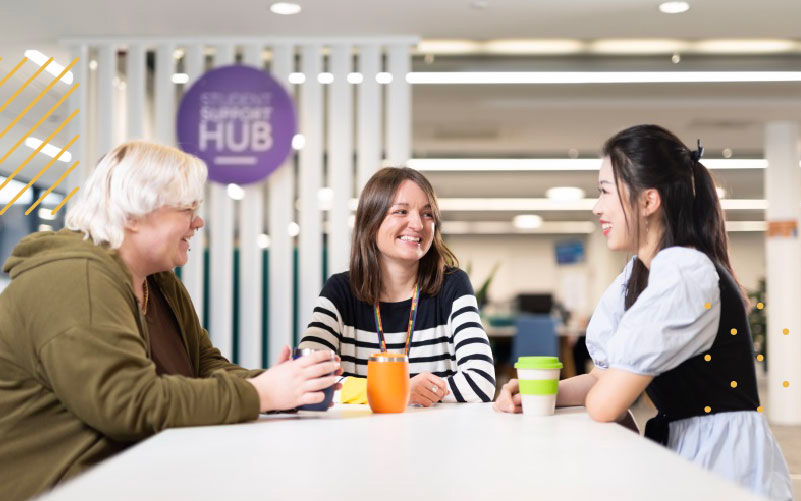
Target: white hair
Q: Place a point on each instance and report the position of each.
(131, 181)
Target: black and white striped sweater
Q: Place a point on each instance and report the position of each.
(448, 338)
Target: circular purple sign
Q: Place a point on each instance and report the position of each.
(239, 121)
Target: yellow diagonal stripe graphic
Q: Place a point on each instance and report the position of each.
(37, 98)
(59, 206)
(38, 175)
(37, 150)
(58, 181)
(37, 124)
(14, 70)
(10, 99)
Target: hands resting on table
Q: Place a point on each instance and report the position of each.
(291, 383)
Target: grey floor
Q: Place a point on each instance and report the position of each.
(788, 437)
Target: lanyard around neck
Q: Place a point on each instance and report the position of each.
(409, 330)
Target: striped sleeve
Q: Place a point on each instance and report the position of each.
(474, 380)
(325, 328)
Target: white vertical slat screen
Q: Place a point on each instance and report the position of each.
(192, 272)
(310, 241)
(100, 119)
(135, 70)
(165, 94)
(251, 224)
(79, 100)
(106, 71)
(369, 111)
(340, 157)
(221, 249)
(399, 111)
(281, 212)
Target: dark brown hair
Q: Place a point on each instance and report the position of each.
(649, 156)
(374, 204)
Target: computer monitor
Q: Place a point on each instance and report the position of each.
(535, 302)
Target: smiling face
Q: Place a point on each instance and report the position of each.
(610, 211)
(162, 237)
(407, 231)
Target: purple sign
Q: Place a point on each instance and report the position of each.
(239, 121)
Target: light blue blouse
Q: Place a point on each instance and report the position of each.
(668, 324)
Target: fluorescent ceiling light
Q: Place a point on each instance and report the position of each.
(674, 7)
(46, 214)
(293, 229)
(721, 192)
(503, 164)
(45, 227)
(746, 225)
(298, 141)
(180, 78)
(355, 78)
(383, 78)
(565, 193)
(235, 191)
(753, 46)
(297, 78)
(544, 204)
(10, 191)
(444, 46)
(285, 8)
(552, 164)
(325, 78)
(638, 46)
(53, 68)
(507, 227)
(263, 241)
(49, 150)
(527, 221)
(744, 204)
(533, 46)
(596, 77)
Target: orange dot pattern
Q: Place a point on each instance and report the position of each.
(707, 409)
(734, 384)
(759, 409)
(707, 357)
(707, 306)
(733, 332)
(786, 384)
(760, 306)
(786, 331)
(760, 358)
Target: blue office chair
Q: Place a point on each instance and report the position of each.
(536, 336)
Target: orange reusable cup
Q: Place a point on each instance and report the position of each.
(388, 382)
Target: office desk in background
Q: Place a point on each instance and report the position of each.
(449, 451)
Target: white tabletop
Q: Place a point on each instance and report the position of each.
(449, 451)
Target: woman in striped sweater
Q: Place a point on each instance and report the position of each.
(398, 259)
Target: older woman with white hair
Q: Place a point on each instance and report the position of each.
(100, 345)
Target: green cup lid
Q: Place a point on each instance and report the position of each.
(538, 363)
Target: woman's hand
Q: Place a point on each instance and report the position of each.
(509, 398)
(291, 383)
(427, 389)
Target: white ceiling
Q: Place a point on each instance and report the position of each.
(509, 120)
(42, 21)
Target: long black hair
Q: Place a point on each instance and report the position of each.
(651, 157)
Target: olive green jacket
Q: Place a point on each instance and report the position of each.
(77, 383)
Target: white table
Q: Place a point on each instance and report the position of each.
(449, 451)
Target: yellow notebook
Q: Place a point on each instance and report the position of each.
(354, 390)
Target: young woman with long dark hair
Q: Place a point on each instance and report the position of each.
(674, 323)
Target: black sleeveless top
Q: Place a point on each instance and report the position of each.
(722, 379)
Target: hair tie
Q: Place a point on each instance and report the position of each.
(697, 154)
